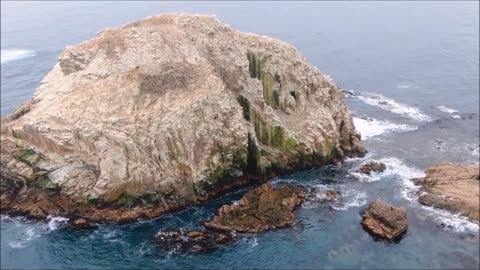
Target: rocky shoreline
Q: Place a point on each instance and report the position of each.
(453, 187)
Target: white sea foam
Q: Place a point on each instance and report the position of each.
(55, 222)
(406, 86)
(29, 234)
(446, 109)
(394, 167)
(350, 198)
(393, 106)
(15, 54)
(451, 222)
(371, 127)
(456, 116)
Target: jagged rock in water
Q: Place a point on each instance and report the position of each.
(168, 111)
(263, 208)
(385, 221)
(454, 187)
(81, 223)
(328, 195)
(372, 166)
(192, 241)
(331, 195)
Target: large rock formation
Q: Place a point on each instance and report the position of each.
(169, 111)
(385, 221)
(453, 187)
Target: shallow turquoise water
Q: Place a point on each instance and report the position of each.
(411, 57)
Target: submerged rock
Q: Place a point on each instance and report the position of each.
(372, 166)
(453, 187)
(192, 241)
(165, 112)
(328, 195)
(261, 209)
(385, 221)
(331, 195)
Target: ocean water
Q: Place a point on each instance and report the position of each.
(414, 71)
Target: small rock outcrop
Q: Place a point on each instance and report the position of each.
(453, 187)
(385, 221)
(192, 241)
(263, 208)
(372, 166)
(166, 112)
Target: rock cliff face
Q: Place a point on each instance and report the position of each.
(174, 108)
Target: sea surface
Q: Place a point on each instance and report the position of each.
(412, 69)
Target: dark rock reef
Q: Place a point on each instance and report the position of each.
(372, 166)
(192, 241)
(263, 208)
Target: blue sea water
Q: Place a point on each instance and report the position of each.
(414, 69)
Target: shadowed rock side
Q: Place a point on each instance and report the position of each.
(453, 187)
(385, 221)
(263, 208)
(166, 112)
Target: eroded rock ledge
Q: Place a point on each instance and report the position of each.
(453, 187)
(166, 112)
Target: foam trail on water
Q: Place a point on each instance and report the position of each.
(395, 168)
(406, 86)
(446, 109)
(15, 54)
(371, 127)
(452, 222)
(391, 105)
(350, 198)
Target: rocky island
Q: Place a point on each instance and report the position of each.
(164, 113)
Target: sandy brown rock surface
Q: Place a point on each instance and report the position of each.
(454, 187)
(169, 111)
(384, 220)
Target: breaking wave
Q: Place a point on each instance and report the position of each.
(350, 198)
(15, 54)
(452, 222)
(56, 222)
(394, 168)
(446, 109)
(391, 105)
(406, 86)
(371, 127)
